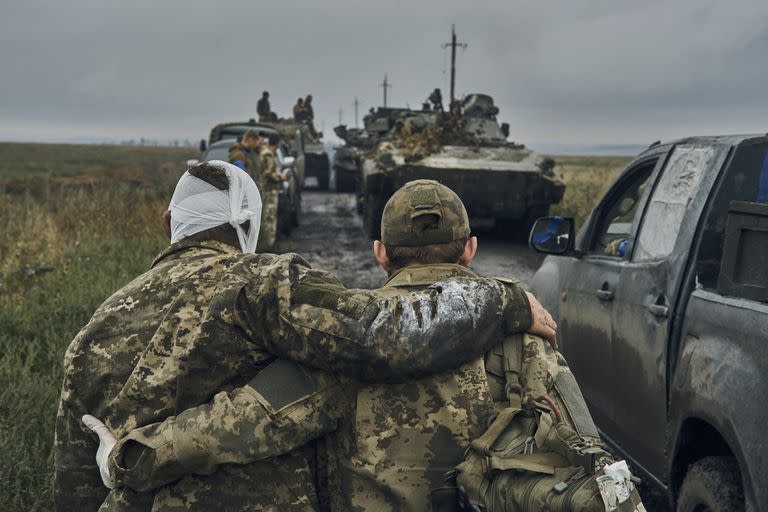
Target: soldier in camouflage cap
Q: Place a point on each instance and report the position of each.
(400, 225)
(205, 319)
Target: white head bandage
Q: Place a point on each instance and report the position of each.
(197, 205)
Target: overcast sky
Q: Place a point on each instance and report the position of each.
(562, 72)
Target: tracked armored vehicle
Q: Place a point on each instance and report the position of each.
(503, 184)
(348, 159)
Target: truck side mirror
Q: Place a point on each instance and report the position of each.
(202, 145)
(505, 129)
(552, 235)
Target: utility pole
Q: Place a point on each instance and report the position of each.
(357, 103)
(453, 44)
(340, 114)
(385, 84)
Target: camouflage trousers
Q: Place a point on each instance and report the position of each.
(268, 232)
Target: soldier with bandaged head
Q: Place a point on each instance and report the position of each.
(202, 328)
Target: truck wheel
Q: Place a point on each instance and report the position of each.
(372, 216)
(712, 484)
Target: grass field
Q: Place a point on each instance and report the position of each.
(78, 222)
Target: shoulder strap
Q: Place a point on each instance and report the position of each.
(512, 348)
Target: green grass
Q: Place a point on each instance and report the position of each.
(35, 329)
(74, 231)
(45, 161)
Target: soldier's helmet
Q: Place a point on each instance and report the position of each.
(399, 224)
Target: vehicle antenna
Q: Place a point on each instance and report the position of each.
(341, 112)
(385, 84)
(453, 44)
(356, 104)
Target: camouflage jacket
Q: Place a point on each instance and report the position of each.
(398, 440)
(270, 176)
(206, 318)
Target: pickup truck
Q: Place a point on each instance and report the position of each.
(662, 304)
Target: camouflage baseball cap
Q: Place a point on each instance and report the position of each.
(423, 197)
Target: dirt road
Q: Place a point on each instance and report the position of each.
(331, 237)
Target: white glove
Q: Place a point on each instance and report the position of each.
(107, 441)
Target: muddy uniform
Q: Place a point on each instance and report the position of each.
(398, 441)
(246, 159)
(207, 318)
(270, 181)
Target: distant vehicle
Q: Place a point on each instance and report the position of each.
(293, 142)
(662, 303)
(316, 163)
(348, 159)
(289, 196)
(502, 184)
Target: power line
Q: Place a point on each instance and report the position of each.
(453, 44)
(385, 84)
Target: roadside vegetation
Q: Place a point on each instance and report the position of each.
(77, 223)
(587, 178)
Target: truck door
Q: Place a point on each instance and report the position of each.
(590, 287)
(645, 299)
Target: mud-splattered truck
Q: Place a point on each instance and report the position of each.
(662, 303)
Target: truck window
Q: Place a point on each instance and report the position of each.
(615, 229)
(745, 179)
(669, 201)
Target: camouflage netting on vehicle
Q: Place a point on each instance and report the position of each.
(288, 127)
(420, 136)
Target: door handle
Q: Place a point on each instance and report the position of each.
(604, 294)
(659, 310)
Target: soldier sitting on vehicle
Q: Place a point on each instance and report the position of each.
(263, 108)
(299, 114)
(394, 442)
(309, 113)
(436, 98)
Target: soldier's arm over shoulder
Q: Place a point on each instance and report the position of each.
(281, 409)
(314, 319)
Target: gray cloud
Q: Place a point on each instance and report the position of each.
(562, 72)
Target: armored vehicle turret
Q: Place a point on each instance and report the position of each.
(502, 184)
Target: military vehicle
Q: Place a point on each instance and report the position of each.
(662, 299)
(316, 162)
(503, 184)
(290, 159)
(348, 159)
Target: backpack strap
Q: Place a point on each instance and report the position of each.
(512, 348)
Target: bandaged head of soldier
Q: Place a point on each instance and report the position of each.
(425, 222)
(216, 201)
